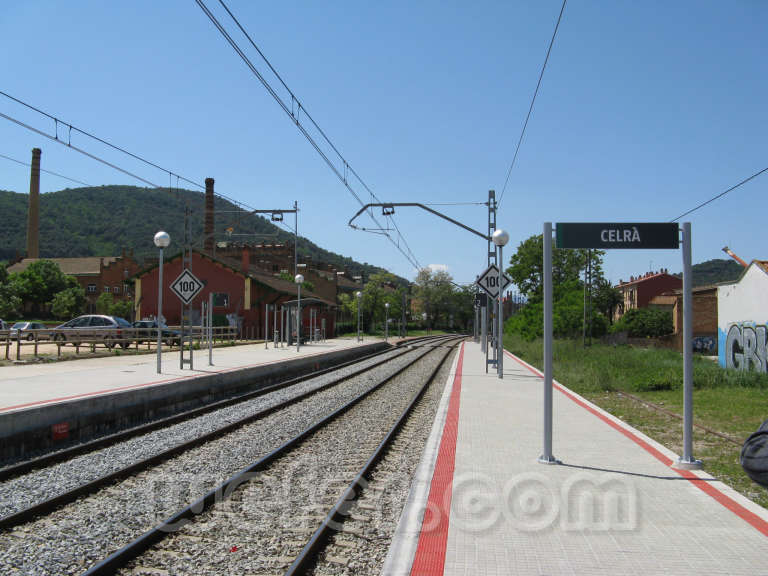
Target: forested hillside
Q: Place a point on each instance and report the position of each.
(715, 271)
(101, 221)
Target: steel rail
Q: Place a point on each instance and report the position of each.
(67, 453)
(119, 559)
(340, 510)
(50, 504)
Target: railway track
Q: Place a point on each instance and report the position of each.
(43, 460)
(105, 512)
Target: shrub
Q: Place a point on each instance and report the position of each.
(644, 323)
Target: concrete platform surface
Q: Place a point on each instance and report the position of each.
(483, 504)
(32, 385)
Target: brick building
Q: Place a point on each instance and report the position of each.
(96, 274)
(639, 291)
(239, 292)
(704, 317)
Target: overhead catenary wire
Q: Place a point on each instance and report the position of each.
(533, 101)
(294, 111)
(68, 143)
(52, 173)
(731, 189)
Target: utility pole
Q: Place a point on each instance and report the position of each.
(487, 315)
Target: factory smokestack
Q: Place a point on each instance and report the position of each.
(33, 213)
(208, 225)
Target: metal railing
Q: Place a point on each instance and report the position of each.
(110, 339)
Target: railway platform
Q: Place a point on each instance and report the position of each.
(42, 384)
(481, 503)
(44, 406)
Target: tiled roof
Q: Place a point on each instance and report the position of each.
(640, 279)
(90, 266)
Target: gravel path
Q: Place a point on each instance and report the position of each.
(38, 485)
(267, 521)
(78, 535)
(361, 547)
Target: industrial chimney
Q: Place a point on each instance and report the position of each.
(33, 213)
(208, 225)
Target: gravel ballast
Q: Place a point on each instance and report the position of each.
(78, 535)
(267, 521)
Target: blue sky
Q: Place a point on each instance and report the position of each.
(645, 110)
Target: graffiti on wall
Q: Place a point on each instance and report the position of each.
(704, 344)
(745, 347)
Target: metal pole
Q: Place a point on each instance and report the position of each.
(546, 456)
(160, 313)
(386, 323)
(210, 328)
(500, 330)
(296, 237)
(266, 326)
(687, 461)
(298, 320)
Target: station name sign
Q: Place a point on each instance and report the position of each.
(621, 235)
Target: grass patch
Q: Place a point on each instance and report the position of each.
(727, 401)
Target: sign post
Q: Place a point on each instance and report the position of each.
(489, 282)
(546, 456)
(186, 287)
(622, 235)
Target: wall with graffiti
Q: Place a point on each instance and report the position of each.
(742, 325)
(743, 347)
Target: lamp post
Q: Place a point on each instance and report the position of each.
(162, 240)
(359, 296)
(500, 238)
(299, 279)
(386, 321)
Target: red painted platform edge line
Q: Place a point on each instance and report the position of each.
(748, 516)
(142, 384)
(429, 559)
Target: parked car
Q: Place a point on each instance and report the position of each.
(112, 329)
(3, 325)
(25, 327)
(147, 331)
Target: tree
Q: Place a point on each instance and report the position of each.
(10, 303)
(104, 303)
(380, 289)
(606, 298)
(69, 303)
(39, 283)
(526, 265)
(121, 308)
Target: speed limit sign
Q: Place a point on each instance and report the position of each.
(489, 281)
(186, 286)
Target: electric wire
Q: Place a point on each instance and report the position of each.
(80, 150)
(68, 144)
(94, 137)
(43, 170)
(533, 100)
(296, 118)
(731, 189)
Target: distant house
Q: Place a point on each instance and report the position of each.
(704, 317)
(239, 293)
(742, 311)
(96, 274)
(640, 290)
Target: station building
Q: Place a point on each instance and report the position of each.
(240, 295)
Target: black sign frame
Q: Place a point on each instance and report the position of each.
(618, 235)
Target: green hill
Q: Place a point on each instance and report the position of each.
(715, 271)
(101, 221)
